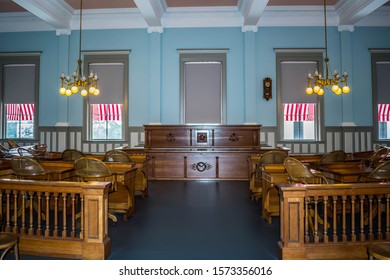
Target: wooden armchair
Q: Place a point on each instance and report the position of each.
(299, 173)
(377, 158)
(117, 156)
(8, 241)
(72, 155)
(271, 157)
(12, 144)
(92, 169)
(333, 156)
(28, 168)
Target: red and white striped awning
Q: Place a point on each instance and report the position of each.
(299, 111)
(383, 112)
(107, 112)
(16, 112)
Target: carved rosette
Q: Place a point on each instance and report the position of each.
(233, 137)
(201, 166)
(170, 138)
(201, 137)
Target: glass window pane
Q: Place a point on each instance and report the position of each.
(106, 121)
(20, 120)
(299, 121)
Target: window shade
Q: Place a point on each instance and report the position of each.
(107, 112)
(15, 91)
(299, 111)
(383, 112)
(23, 112)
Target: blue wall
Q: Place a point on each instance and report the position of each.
(154, 69)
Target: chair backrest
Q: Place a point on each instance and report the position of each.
(377, 157)
(381, 172)
(333, 156)
(299, 173)
(27, 168)
(12, 143)
(72, 155)
(272, 157)
(91, 169)
(117, 156)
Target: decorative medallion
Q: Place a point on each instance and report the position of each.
(201, 137)
(170, 138)
(201, 166)
(233, 137)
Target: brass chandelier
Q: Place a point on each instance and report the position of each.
(79, 82)
(338, 84)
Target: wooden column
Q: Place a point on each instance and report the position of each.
(291, 244)
(96, 243)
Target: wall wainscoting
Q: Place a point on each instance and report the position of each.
(349, 139)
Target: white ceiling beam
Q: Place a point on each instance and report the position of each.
(152, 11)
(352, 11)
(56, 13)
(251, 11)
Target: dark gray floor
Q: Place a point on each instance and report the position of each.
(192, 220)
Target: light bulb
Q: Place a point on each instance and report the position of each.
(316, 89)
(309, 90)
(339, 91)
(92, 90)
(68, 92)
(74, 89)
(84, 92)
(62, 90)
(321, 91)
(97, 92)
(335, 88)
(346, 89)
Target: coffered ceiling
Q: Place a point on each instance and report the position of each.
(155, 15)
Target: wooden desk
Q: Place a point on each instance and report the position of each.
(344, 172)
(123, 200)
(272, 174)
(58, 170)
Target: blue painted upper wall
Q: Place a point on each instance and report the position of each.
(241, 90)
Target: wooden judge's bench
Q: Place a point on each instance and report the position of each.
(193, 152)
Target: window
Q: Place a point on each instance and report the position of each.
(106, 115)
(299, 114)
(203, 86)
(381, 84)
(19, 94)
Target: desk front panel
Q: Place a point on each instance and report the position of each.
(196, 165)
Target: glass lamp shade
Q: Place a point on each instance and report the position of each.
(335, 88)
(321, 91)
(68, 92)
(74, 89)
(62, 90)
(316, 89)
(92, 90)
(96, 92)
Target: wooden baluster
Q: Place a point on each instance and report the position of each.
(64, 203)
(8, 211)
(370, 218)
(82, 217)
(388, 216)
(307, 237)
(47, 229)
(362, 236)
(326, 238)
(31, 210)
(334, 237)
(316, 238)
(15, 227)
(379, 217)
(344, 219)
(55, 230)
(23, 228)
(73, 233)
(353, 225)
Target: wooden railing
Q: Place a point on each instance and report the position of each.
(335, 221)
(57, 219)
